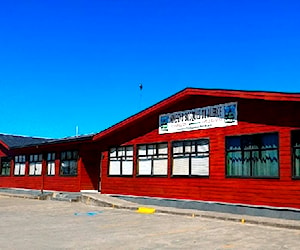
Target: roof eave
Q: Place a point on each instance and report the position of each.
(259, 95)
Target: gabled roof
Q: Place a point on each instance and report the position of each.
(70, 139)
(12, 141)
(188, 92)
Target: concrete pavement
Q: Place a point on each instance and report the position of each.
(104, 200)
(48, 224)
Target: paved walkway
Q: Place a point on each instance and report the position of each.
(105, 200)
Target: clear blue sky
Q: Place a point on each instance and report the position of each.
(79, 63)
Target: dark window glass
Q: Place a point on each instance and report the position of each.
(5, 166)
(296, 153)
(252, 155)
(68, 163)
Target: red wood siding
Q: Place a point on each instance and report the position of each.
(90, 170)
(254, 116)
(87, 175)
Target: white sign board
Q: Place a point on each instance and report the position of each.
(221, 115)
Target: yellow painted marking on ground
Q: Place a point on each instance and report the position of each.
(146, 210)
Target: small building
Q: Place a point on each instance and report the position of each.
(225, 146)
(68, 164)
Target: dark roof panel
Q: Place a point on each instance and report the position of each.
(21, 141)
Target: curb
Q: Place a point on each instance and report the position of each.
(27, 196)
(88, 200)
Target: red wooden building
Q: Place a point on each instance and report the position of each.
(236, 147)
(228, 146)
(69, 164)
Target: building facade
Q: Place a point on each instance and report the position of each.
(236, 147)
(233, 147)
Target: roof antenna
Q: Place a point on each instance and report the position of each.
(141, 88)
(77, 129)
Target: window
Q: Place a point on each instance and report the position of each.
(153, 159)
(5, 166)
(51, 164)
(121, 161)
(252, 155)
(191, 158)
(35, 164)
(296, 153)
(68, 163)
(20, 164)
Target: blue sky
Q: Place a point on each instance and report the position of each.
(79, 63)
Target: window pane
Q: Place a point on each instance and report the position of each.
(144, 166)
(233, 143)
(51, 168)
(187, 147)
(269, 162)
(151, 149)
(142, 150)
(114, 168)
(17, 169)
(38, 169)
(49, 156)
(297, 162)
(113, 152)
(31, 168)
(22, 169)
(202, 146)
(69, 155)
(121, 151)
(65, 167)
(75, 155)
(177, 147)
(180, 166)
(73, 167)
(200, 166)
(160, 166)
(269, 141)
(129, 151)
(127, 167)
(163, 148)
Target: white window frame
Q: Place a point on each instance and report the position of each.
(121, 161)
(35, 164)
(190, 158)
(20, 165)
(152, 159)
(50, 164)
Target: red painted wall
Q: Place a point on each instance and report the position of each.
(87, 177)
(254, 116)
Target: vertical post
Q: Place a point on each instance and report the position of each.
(141, 88)
(43, 172)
